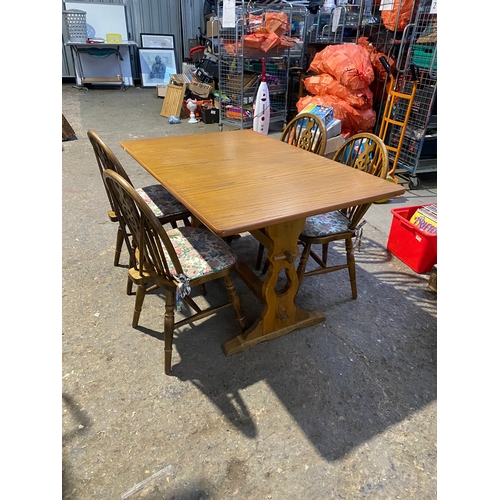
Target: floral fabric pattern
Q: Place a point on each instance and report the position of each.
(200, 252)
(325, 224)
(160, 201)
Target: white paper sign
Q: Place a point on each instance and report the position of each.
(335, 19)
(434, 7)
(228, 14)
(386, 4)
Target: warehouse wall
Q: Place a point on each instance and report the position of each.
(180, 18)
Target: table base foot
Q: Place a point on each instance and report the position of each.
(255, 334)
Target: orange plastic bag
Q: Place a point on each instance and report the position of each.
(326, 84)
(349, 63)
(275, 22)
(379, 87)
(262, 41)
(400, 14)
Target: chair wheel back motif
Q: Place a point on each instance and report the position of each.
(148, 235)
(306, 131)
(366, 152)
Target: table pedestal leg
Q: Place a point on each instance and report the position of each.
(280, 315)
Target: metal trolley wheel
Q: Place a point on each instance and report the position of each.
(414, 182)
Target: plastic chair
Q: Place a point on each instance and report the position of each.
(365, 152)
(164, 205)
(174, 260)
(306, 131)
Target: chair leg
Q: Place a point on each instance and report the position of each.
(260, 253)
(119, 244)
(266, 267)
(324, 253)
(139, 299)
(301, 269)
(168, 329)
(130, 283)
(235, 300)
(351, 265)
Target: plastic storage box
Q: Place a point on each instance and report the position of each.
(423, 56)
(113, 38)
(416, 248)
(76, 22)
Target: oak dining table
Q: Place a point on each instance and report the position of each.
(243, 181)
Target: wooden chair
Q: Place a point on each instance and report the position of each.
(368, 153)
(174, 260)
(163, 204)
(306, 131)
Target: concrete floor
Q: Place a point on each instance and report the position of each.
(344, 409)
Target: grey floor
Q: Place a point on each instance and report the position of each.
(344, 409)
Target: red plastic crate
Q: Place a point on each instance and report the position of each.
(416, 248)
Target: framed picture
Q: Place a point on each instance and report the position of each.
(155, 41)
(156, 66)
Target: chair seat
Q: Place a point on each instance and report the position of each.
(199, 251)
(161, 202)
(326, 224)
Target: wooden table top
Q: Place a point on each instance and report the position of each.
(241, 180)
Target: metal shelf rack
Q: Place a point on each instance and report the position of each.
(240, 68)
(419, 152)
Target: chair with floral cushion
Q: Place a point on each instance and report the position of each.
(163, 204)
(174, 260)
(365, 152)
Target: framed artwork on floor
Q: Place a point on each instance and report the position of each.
(156, 41)
(156, 66)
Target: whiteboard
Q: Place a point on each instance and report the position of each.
(102, 18)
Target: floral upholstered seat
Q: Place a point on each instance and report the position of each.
(161, 202)
(324, 224)
(199, 251)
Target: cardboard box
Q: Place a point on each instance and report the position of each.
(209, 114)
(212, 30)
(334, 129)
(324, 112)
(332, 145)
(161, 90)
(202, 90)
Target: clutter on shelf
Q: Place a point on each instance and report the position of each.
(263, 34)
